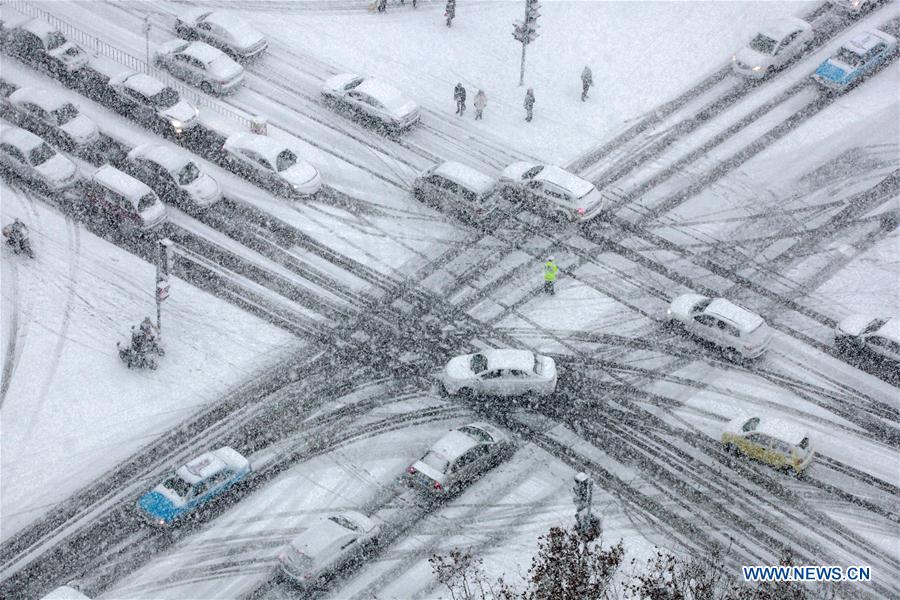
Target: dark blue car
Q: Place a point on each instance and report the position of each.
(855, 59)
(193, 485)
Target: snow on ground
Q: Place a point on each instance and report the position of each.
(72, 409)
(641, 54)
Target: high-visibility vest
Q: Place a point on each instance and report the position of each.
(550, 270)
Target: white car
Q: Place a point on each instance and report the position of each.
(154, 100)
(173, 175)
(459, 457)
(373, 99)
(200, 64)
(224, 30)
(780, 444)
(56, 116)
(33, 159)
(65, 593)
(39, 41)
(552, 190)
(880, 336)
(500, 372)
(723, 323)
(126, 203)
(273, 163)
(457, 187)
(855, 7)
(330, 544)
(773, 47)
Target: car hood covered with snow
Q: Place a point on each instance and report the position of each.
(854, 324)
(750, 57)
(514, 171)
(681, 305)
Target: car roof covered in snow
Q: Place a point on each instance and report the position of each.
(203, 467)
(169, 159)
(39, 27)
(738, 315)
(202, 52)
(40, 96)
(891, 330)
(466, 176)
(507, 358)
(146, 85)
(65, 592)
(236, 26)
(383, 92)
(455, 443)
(865, 41)
(21, 139)
(121, 183)
(568, 181)
(261, 144)
(778, 29)
(785, 431)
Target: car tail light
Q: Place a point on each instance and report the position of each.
(411, 470)
(308, 576)
(438, 486)
(579, 212)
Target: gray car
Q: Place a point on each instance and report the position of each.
(200, 64)
(49, 113)
(222, 29)
(31, 158)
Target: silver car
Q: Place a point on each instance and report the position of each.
(727, 325)
(551, 190)
(273, 163)
(331, 543)
(773, 47)
(51, 114)
(373, 99)
(154, 101)
(500, 372)
(40, 41)
(173, 175)
(222, 29)
(457, 187)
(33, 159)
(878, 335)
(200, 64)
(456, 459)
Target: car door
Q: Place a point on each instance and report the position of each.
(729, 335)
(705, 326)
(519, 382)
(490, 382)
(785, 49)
(755, 445)
(199, 494)
(179, 67)
(778, 453)
(205, 32)
(196, 71)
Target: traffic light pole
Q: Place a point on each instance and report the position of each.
(522, 69)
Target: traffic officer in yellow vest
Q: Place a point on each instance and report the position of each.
(550, 271)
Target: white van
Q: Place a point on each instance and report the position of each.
(456, 187)
(126, 202)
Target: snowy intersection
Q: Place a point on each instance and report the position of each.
(748, 215)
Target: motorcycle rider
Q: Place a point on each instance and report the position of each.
(16, 235)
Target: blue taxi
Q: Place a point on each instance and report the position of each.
(855, 59)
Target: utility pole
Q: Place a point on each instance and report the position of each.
(526, 31)
(163, 262)
(583, 495)
(147, 39)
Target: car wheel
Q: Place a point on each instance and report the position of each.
(185, 32)
(731, 449)
(206, 88)
(465, 393)
(511, 193)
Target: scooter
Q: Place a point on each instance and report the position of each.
(16, 235)
(141, 353)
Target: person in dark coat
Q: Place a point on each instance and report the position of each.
(382, 5)
(529, 104)
(450, 11)
(587, 80)
(459, 94)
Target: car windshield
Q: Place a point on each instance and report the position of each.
(64, 113)
(479, 363)
(286, 159)
(165, 98)
(41, 154)
(804, 443)
(476, 433)
(189, 173)
(874, 325)
(436, 461)
(344, 522)
(849, 58)
(538, 365)
(353, 83)
(146, 202)
(178, 485)
(751, 424)
(55, 40)
(764, 44)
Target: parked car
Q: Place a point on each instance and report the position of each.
(855, 59)
(456, 187)
(877, 335)
(173, 175)
(723, 323)
(150, 100)
(500, 372)
(855, 7)
(191, 486)
(38, 41)
(373, 99)
(773, 47)
(273, 163)
(456, 459)
(200, 64)
(780, 444)
(10, 21)
(53, 116)
(65, 592)
(127, 203)
(551, 190)
(329, 545)
(224, 30)
(33, 159)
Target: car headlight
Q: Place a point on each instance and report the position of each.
(734, 58)
(176, 123)
(756, 68)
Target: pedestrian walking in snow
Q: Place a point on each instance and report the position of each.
(587, 80)
(450, 11)
(529, 104)
(550, 272)
(459, 94)
(382, 5)
(479, 103)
